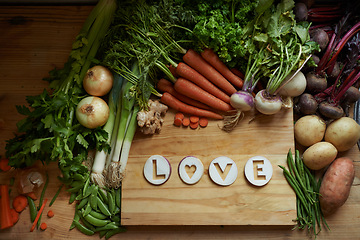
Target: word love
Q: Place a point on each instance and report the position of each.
(222, 170)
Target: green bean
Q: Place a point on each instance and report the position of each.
(103, 208)
(98, 215)
(12, 181)
(83, 229)
(95, 221)
(43, 191)
(111, 233)
(32, 208)
(56, 195)
(72, 197)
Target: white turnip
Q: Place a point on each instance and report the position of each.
(267, 104)
(294, 85)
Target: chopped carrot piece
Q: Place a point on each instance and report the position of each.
(194, 125)
(203, 122)
(50, 214)
(19, 203)
(177, 122)
(14, 215)
(32, 195)
(194, 119)
(43, 226)
(186, 122)
(179, 115)
(4, 165)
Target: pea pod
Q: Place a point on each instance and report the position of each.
(80, 195)
(83, 229)
(103, 208)
(89, 190)
(78, 177)
(109, 226)
(82, 203)
(111, 203)
(111, 233)
(32, 208)
(98, 215)
(118, 197)
(87, 210)
(103, 195)
(72, 197)
(94, 198)
(95, 221)
(75, 219)
(86, 185)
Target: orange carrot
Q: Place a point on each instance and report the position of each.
(43, 226)
(5, 212)
(4, 165)
(38, 215)
(14, 215)
(193, 91)
(186, 122)
(166, 86)
(238, 73)
(192, 75)
(32, 195)
(213, 59)
(177, 122)
(194, 119)
(179, 115)
(203, 122)
(194, 60)
(19, 203)
(173, 71)
(50, 214)
(194, 125)
(177, 105)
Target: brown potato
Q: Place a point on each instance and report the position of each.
(309, 130)
(336, 184)
(319, 155)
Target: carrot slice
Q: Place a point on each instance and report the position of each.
(177, 122)
(186, 122)
(194, 125)
(4, 165)
(32, 195)
(203, 122)
(14, 215)
(179, 115)
(50, 214)
(19, 203)
(194, 119)
(43, 226)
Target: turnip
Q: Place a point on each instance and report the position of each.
(294, 85)
(267, 104)
(343, 133)
(92, 112)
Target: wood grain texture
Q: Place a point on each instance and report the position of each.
(206, 203)
(33, 41)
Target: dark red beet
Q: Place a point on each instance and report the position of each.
(321, 37)
(315, 83)
(330, 110)
(301, 12)
(307, 104)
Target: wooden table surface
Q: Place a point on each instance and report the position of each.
(34, 40)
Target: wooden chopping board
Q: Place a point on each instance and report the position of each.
(207, 203)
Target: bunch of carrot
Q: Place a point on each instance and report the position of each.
(202, 87)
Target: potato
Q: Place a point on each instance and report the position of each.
(309, 130)
(319, 155)
(336, 184)
(343, 133)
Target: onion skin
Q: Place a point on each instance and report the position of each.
(98, 81)
(92, 112)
